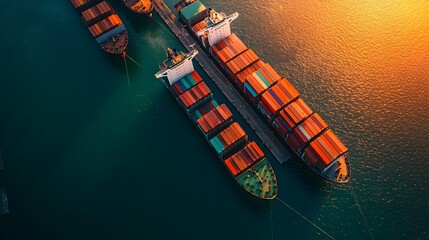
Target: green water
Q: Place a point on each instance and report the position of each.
(89, 157)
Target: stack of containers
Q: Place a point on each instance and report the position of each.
(243, 159)
(228, 140)
(290, 117)
(81, 4)
(324, 150)
(303, 133)
(105, 25)
(228, 48)
(259, 81)
(277, 97)
(185, 83)
(240, 62)
(96, 13)
(199, 26)
(195, 97)
(203, 110)
(214, 121)
(240, 78)
(193, 13)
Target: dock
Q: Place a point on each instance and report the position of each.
(259, 127)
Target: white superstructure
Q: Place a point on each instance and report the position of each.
(218, 26)
(177, 66)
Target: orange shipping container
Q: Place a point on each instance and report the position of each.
(79, 3)
(233, 169)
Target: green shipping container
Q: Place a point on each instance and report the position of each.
(194, 13)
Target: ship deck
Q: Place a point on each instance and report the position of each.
(259, 180)
(259, 127)
(139, 6)
(117, 44)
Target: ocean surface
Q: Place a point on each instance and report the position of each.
(89, 156)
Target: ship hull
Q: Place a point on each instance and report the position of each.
(117, 45)
(332, 177)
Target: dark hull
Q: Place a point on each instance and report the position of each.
(117, 45)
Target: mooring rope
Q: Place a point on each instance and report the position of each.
(306, 219)
(361, 211)
(134, 61)
(126, 70)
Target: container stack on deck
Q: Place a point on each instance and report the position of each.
(258, 81)
(244, 158)
(275, 97)
(185, 83)
(103, 24)
(193, 13)
(290, 116)
(229, 140)
(195, 97)
(214, 120)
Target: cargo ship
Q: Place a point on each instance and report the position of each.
(244, 159)
(104, 25)
(272, 96)
(140, 6)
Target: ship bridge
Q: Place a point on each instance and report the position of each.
(218, 26)
(177, 65)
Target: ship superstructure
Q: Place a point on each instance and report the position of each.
(244, 159)
(273, 96)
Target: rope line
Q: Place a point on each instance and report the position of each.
(306, 219)
(134, 61)
(361, 211)
(126, 70)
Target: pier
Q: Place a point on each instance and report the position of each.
(258, 126)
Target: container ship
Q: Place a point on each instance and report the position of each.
(244, 159)
(140, 6)
(272, 96)
(104, 25)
